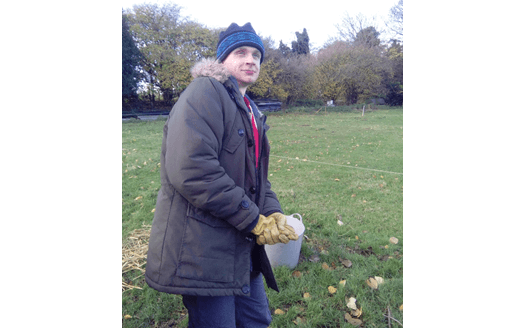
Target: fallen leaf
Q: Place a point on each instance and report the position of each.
(394, 240)
(401, 307)
(342, 283)
(336, 179)
(347, 263)
(306, 295)
(325, 266)
(278, 311)
(379, 280)
(332, 290)
(340, 223)
(140, 197)
(127, 316)
(372, 283)
(352, 303)
(298, 321)
(357, 313)
(351, 320)
(296, 274)
(314, 258)
(356, 237)
(153, 211)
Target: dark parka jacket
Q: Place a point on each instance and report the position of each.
(211, 192)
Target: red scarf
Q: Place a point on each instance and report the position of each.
(255, 132)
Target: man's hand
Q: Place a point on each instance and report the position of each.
(273, 229)
(266, 231)
(284, 229)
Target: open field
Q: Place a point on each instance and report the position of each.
(343, 173)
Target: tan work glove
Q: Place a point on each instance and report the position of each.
(284, 229)
(273, 229)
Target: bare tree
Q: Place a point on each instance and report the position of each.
(395, 20)
(360, 29)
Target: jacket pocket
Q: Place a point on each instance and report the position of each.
(235, 138)
(206, 217)
(208, 248)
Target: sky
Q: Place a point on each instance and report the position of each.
(280, 19)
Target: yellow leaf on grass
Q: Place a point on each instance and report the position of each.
(351, 320)
(347, 263)
(379, 280)
(278, 311)
(332, 290)
(298, 321)
(325, 266)
(336, 179)
(342, 283)
(140, 197)
(401, 307)
(127, 316)
(296, 274)
(352, 303)
(394, 240)
(372, 283)
(306, 295)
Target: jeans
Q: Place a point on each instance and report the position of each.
(230, 311)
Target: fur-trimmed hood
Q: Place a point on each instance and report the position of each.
(210, 67)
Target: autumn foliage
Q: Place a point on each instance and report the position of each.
(353, 68)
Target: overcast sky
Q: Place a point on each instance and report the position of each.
(280, 19)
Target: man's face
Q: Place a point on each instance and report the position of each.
(244, 65)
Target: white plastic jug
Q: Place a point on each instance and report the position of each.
(287, 254)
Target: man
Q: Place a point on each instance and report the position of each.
(215, 209)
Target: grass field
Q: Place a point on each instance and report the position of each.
(343, 173)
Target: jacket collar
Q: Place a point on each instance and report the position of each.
(210, 67)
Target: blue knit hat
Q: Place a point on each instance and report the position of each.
(236, 36)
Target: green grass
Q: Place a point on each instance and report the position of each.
(327, 166)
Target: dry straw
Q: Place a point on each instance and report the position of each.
(134, 252)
